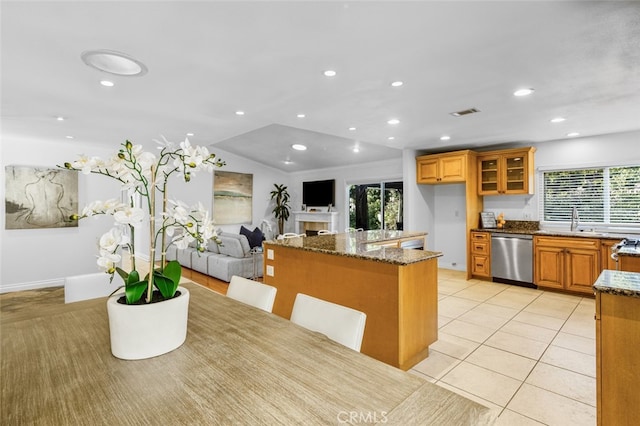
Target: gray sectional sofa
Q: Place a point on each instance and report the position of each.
(232, 257)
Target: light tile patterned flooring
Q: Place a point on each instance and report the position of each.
(527, 354)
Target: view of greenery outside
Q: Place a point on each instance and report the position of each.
(367, 207)
(609, 195)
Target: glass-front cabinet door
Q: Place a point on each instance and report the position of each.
(506, 172)
(488, 167)
(515, 167)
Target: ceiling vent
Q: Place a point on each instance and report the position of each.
(465, 112)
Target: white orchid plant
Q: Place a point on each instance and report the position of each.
(143, 173)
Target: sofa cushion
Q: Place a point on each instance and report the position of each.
(255, 237)
(212, 246)
(234, 245)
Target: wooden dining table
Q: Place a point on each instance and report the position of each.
(238, 365)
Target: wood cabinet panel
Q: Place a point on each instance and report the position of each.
(605, 253)
(617, 366)
(480, 254)
(449, 167)
(630, 263)
(571, 264)
(506, 172)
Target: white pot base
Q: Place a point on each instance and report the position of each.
(145, 331)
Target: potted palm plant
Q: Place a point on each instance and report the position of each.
(139, 327)
(280, 195)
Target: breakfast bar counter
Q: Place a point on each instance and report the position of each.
(617, 342)
(396, 288)
(238, 365)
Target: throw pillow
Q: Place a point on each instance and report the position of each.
(255, 237)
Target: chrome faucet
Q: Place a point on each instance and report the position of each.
(575, 219)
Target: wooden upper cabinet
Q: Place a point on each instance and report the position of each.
(449, 167)
(506, 172)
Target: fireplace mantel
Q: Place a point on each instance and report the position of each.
(329, 219)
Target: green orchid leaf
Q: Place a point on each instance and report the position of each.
(173, 271)
(134, 291)
(133, 277)
(166, 286)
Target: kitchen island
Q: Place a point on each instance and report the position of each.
(397, 288)
(617, 343)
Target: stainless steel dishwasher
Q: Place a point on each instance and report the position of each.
(512, 259)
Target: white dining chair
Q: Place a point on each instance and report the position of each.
(324, 232)
(252, 293)
(90, 286)
(339, 323)
(291, 235)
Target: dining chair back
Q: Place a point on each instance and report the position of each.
(339, 323)
(252, 293)
(90, 286)
(325, 232)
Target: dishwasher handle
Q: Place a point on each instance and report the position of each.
(507, 235)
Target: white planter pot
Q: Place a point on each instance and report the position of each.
(145, 331)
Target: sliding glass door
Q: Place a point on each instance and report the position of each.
(376, 206)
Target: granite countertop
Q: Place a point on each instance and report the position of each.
(620, 283)
(629, 251)
(365, 245)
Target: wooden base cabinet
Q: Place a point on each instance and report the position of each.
(480, 254)
(617, 359)
(571, 264)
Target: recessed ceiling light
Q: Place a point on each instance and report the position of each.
(397, 83)
(523, 92)
(330, 73)
(445, 138)
(60, 118)
(69, 137)
(391, 138)
(113, 62)
(573, 134)
(301, 116)
(298, 147)
(190, 134)
(393, 121)
(288, 162)
(356, 149)
(352, 128)
(107, 83)
(239, 112)
(558, 120)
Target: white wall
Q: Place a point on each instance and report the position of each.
(36, 258)
(201, 188)
(615, 149)
(40, 258)
(438, 203)
(390, 170)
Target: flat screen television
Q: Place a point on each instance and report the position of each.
(319, 193)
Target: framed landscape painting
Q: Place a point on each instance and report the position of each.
(40, 197)
(232, 197)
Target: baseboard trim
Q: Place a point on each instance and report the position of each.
(32, 285)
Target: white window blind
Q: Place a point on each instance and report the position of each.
(607, 195)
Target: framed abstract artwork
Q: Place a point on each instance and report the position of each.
(232, 197)
(40, 197)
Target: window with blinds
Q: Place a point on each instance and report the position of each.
(607, 195)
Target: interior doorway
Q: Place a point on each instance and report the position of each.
(376, 206)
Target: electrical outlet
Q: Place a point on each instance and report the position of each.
(270, 270)
(270, 254)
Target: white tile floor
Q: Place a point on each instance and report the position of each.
(527, 354)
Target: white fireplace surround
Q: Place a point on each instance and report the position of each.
(328, 219)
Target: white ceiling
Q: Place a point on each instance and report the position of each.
(207, 60)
